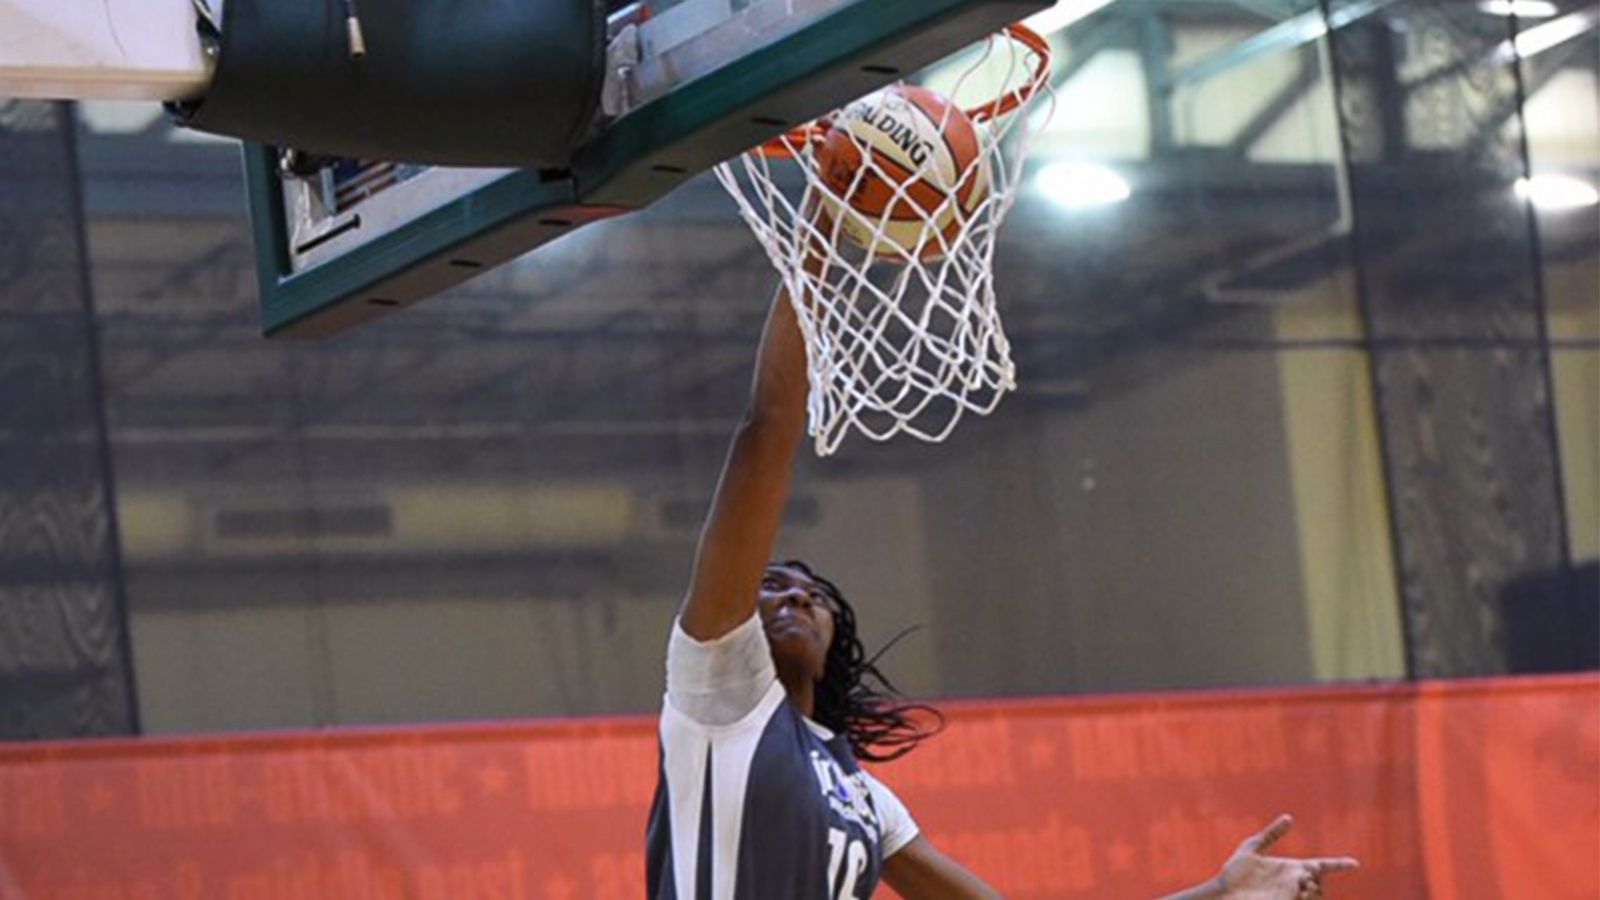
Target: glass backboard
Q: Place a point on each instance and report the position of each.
(687, 85)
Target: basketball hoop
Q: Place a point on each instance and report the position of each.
(884, 235)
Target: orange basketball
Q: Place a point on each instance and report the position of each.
(909, 165)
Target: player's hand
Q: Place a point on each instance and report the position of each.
(1250, 874)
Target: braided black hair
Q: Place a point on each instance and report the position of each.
(857, 700)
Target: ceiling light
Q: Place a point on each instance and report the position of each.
(1077, 185)
(1549, 34)
(1555, 192)
(1064, 13)
(1522, 9)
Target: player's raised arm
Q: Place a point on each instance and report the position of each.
(736, 541)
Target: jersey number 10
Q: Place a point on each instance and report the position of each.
(855, 862)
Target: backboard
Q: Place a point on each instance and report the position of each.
(687, 85)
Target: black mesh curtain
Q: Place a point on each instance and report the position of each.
(64, 668)
(1429, 108)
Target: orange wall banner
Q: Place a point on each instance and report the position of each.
(1449, 790)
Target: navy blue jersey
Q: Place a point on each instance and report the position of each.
(766, 806)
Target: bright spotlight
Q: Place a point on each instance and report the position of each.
(1522, 9)
(1549, 34)
(1064, 13)
(1077, 185)
(1555, 192)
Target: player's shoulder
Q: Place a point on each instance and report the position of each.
(882, 794)
(682, 715)
(871, 779)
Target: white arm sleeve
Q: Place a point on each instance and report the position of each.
(718, 682)
(899, 829)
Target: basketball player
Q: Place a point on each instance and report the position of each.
(770, 702)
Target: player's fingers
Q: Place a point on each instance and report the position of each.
(1268, 836)
(1320, 867)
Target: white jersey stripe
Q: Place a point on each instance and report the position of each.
(734, 756)
(684, 763)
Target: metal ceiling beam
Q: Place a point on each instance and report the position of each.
(1302, 29)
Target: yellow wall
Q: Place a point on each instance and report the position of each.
(1574, 302)
(1346, 554)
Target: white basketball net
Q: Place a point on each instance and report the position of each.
(904, 337)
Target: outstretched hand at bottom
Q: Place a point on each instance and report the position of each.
(1250, 874)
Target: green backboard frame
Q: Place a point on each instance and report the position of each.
(640, 158)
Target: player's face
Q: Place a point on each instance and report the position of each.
(798, 617)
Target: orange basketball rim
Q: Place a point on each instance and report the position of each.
(811, 133)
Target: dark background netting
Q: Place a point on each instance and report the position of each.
(1317, 402)
(1454, 303)
(64, 668)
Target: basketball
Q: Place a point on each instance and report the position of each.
(909, 165)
